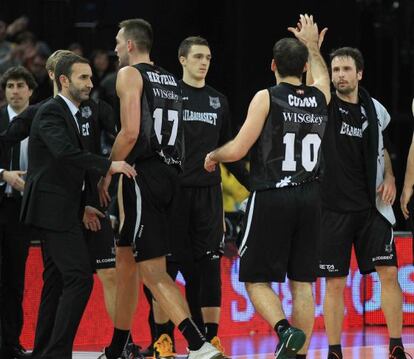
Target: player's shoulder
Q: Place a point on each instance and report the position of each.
(212, 92)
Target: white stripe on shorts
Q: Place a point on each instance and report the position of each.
(249, 222)
(138, 209)
(392, 236)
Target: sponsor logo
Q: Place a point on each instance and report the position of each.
(302, 118)
(383, 258)
(207, 117)
(167, 94)
(329, 267)
(105, 260)
(302, 101)
(349, 130)
(161, 79)
(215, 102)
(284, 182)
(388, 248)
(345, 112)
(141, 229)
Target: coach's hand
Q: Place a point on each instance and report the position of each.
(122, 167)
(406, 195)
(103, 190)
(91, 218)
(14, 179)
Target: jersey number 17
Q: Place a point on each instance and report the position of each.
(172, 116)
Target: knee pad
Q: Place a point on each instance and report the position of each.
(210, 292)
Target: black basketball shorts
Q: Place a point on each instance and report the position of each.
(369, 233)
(145, 202)
(281, 233)
(197, 222)
(101, 245)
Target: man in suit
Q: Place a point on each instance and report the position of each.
(53, 203)
(18, 85)
(97, 117)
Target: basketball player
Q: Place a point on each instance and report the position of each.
(151, 139)
(358, 190)
(407, 192)
(198, 223)
(284, 129)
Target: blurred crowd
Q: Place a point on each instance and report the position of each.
(20, 46)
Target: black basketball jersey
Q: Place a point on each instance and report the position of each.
(287, 152)
(206, 123)
(161, 132)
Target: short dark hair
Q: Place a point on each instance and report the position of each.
(186, 44)
(139, 31)
(351, 52)
(290, 56)
(17, 73)
(64, 66)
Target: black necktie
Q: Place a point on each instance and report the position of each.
(79, 120)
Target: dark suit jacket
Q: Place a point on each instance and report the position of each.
(100, 114)
(57, 166)
(5, 155)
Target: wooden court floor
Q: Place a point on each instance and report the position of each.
(371, 343)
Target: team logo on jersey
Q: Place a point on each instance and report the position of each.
(300, 92)
(349, 130)
(215, 102)
(86, 112)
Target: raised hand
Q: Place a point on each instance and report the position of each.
(306, 30)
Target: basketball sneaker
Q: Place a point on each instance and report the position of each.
(163, 348)
(207, 351)
(217, 344)
(132, 351)
(291, 341)
(399, 353)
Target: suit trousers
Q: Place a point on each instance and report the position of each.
(67, 285)
(14, 248)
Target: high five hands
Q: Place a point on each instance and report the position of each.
(306, 29)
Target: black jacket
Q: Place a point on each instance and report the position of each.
(57, 167)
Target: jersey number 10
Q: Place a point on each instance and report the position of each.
(310, 148)
(172, 116)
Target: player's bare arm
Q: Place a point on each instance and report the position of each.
(129, 87)
(387, 187)
(407, 191)
(247, 136)
(307, 32)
